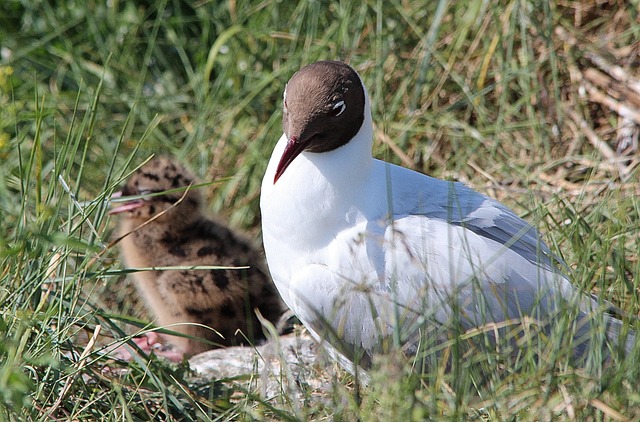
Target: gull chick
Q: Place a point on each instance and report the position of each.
(166, 227)
(370, 255)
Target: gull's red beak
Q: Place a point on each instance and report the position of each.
(127, 206)
(291, 151)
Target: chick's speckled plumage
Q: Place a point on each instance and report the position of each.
(169, 229)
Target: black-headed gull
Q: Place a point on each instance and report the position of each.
(162, 229)
(369, 254)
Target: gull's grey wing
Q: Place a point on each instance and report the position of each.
(462, 206)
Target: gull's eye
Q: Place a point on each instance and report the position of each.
(338, 109)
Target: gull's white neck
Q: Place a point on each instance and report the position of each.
(318, 191)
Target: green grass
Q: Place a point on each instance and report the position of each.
(483, 92)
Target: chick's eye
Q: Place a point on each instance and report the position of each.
(338, 108)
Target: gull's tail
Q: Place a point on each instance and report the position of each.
(618, 335)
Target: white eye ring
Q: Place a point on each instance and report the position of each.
(342, 106)
(284, 99)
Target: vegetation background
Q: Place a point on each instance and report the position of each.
(522, 99)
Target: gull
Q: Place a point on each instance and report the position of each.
(162, 225)
(372, 256)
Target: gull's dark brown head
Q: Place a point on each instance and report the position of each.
(323, 109)
(159, 182)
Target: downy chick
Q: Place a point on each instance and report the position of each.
(169, 229)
